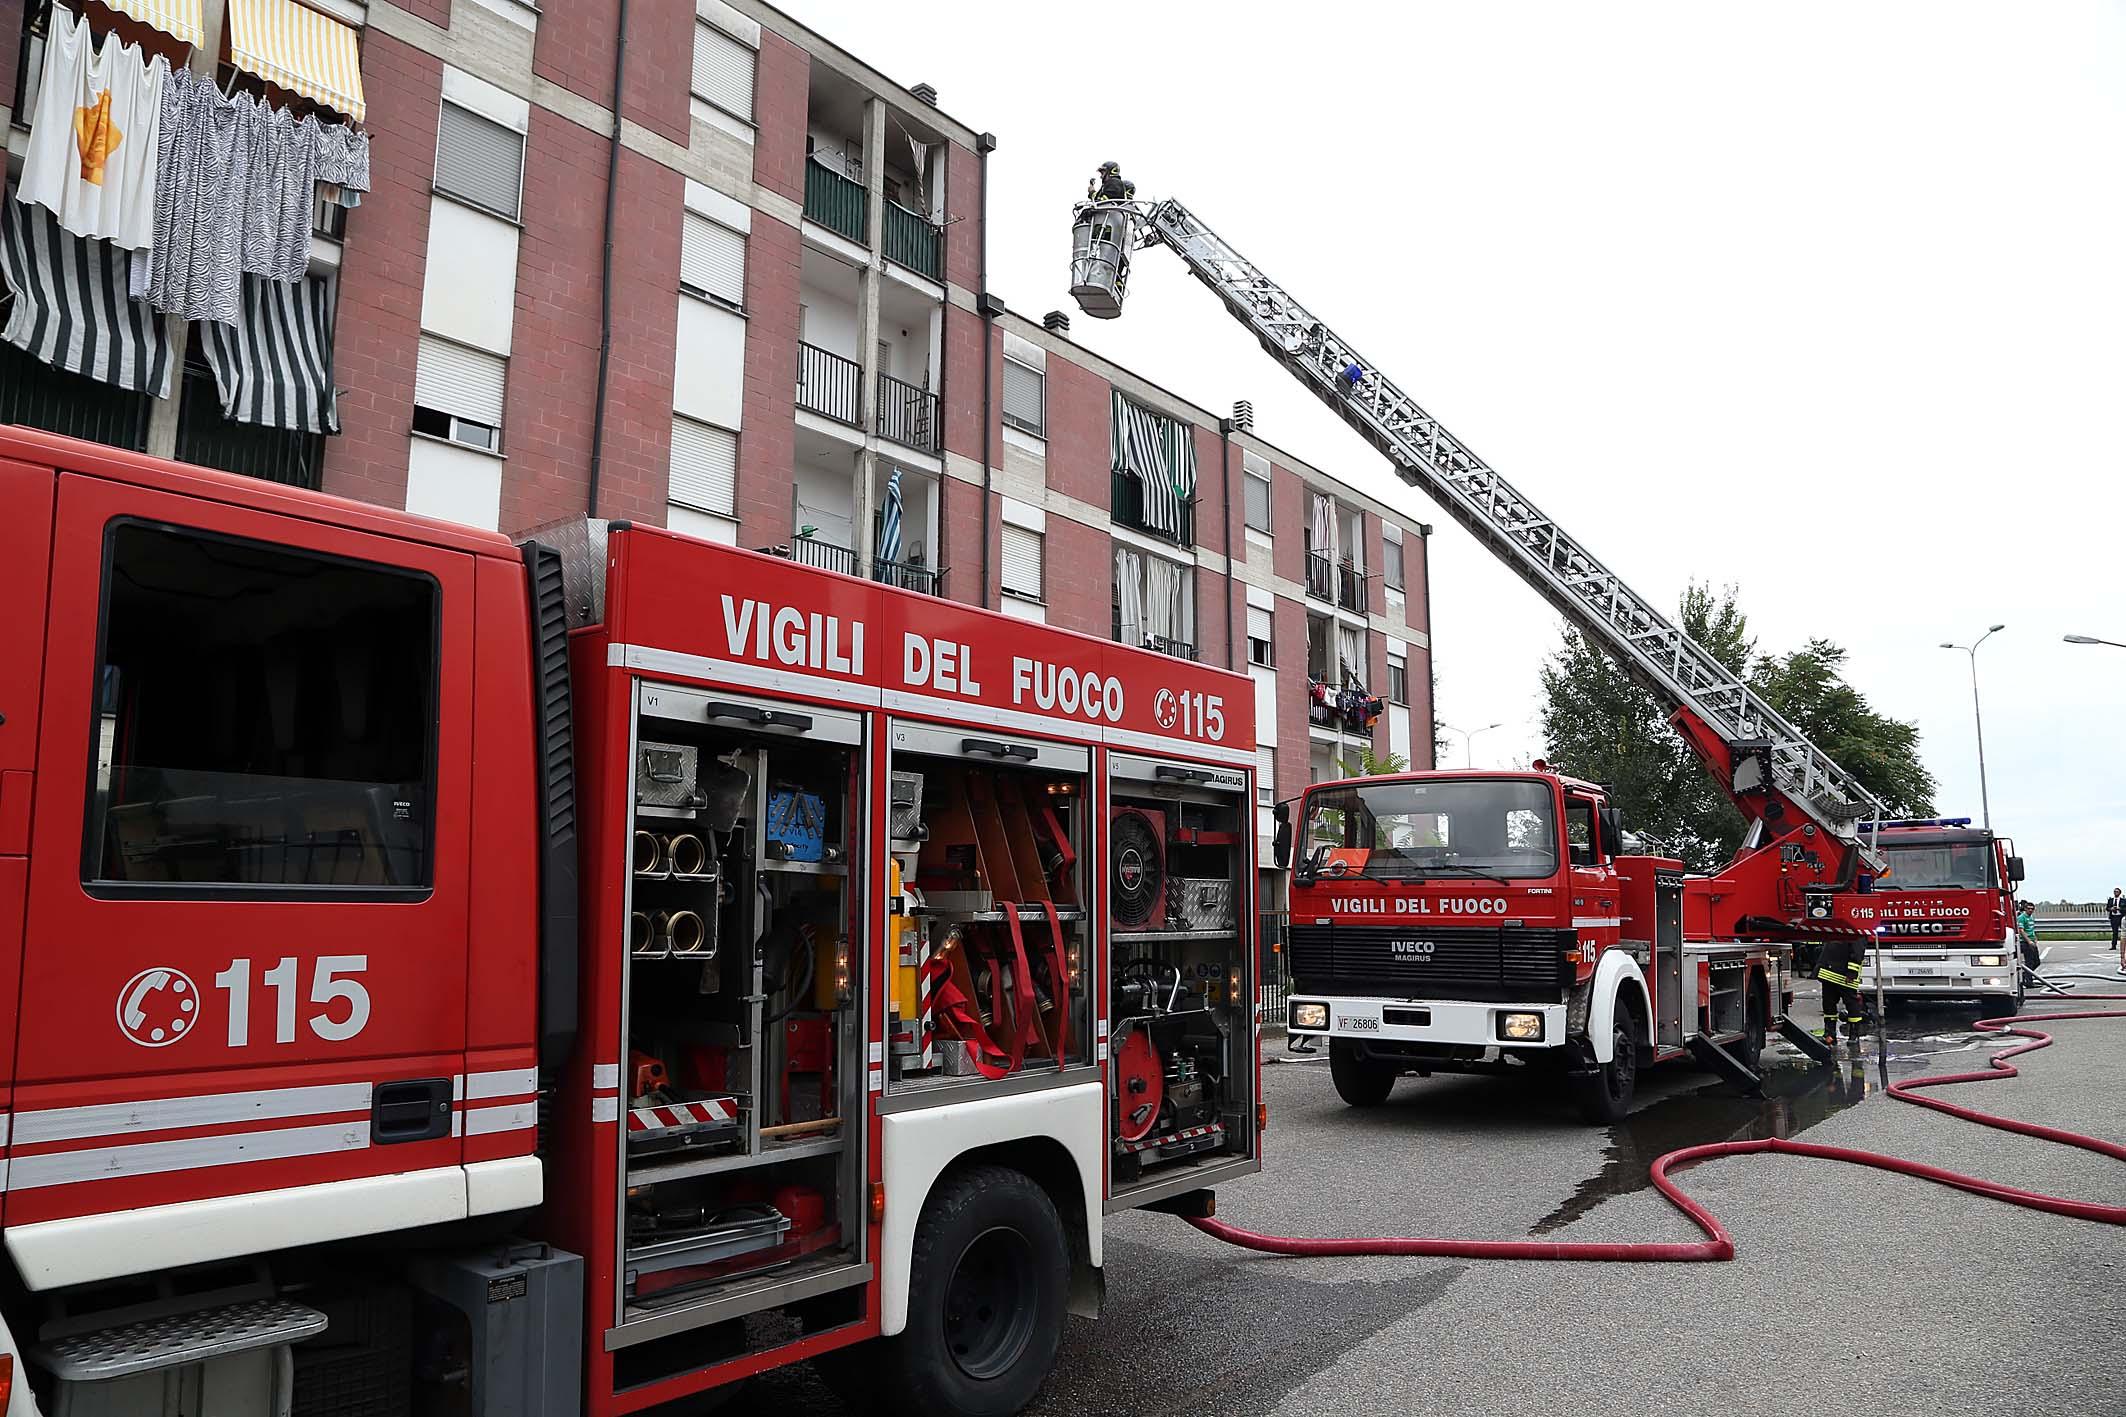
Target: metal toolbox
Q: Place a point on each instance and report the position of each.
(904, 811)
(667, 775)
(1199, 903)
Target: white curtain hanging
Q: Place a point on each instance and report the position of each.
(1324, 528)
(1129, 595)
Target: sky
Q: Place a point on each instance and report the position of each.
(1824, 301)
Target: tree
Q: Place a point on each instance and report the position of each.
(1371, 764)
(1599, 725)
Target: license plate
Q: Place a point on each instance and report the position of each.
(1353, 1024)
(1922, 969)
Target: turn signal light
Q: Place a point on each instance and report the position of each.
(878, 1202)
(1262, 1116)
(7, 1380)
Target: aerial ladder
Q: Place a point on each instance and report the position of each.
(1806, 838)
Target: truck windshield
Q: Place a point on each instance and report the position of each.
(1407, 830)
(1938, 865)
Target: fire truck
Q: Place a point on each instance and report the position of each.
(454, 975)
(1477, 921)
(1942, 913)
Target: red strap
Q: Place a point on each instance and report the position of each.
(1059, 982)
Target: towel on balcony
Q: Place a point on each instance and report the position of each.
(71, 309)
(94, 134)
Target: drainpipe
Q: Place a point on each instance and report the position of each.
(1424, 578)
(990, 307)
(1225, 461)
(605, 274)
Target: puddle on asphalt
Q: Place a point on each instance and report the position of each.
(1797, 1095)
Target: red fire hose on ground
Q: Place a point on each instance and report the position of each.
(1717, 1245)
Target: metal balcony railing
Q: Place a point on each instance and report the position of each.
(36, 395)
(834, 201)
(908, 415)
(813, 551)
(1321, 577)
(1179, 649)
(282, 455)
(830, 385)
(910, 240)
(1126, 503)
(1351, 587)
(917, 578)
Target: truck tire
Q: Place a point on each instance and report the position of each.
(1360, 1082)
(987, 1282)
(1604, 1095)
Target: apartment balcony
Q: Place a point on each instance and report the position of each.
(829, 385)
(812, 551)
(925, 579)
(1321, 577)
(1179, 649)
(1127, 507)
(834, 201)
(1351, 587)
(912, 241)
(908, 415)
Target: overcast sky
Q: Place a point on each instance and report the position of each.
(1824, 300)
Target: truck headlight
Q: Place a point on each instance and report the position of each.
(1989, 961)
(1521, 1028)
(1310, 1016)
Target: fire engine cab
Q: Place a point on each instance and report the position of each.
(1942, 912)
(576, 976)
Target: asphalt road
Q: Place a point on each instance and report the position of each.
(1854, 1292)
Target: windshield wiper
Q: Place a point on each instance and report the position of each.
(1457, 869)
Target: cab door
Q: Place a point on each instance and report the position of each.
(244, 965)
(1595, 896)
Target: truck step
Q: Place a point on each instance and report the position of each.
(1806, 1041)
(1714, 1058)
(174, 1340)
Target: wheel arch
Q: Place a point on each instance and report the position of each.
(1615, 973)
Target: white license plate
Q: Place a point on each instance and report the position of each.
(1358, 1024)
(1923, 969)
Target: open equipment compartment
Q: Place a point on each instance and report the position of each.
(1182, 990)
(742, 1091)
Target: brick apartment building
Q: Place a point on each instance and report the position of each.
(771, 324)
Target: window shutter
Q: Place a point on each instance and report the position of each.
(712, 259)
(1022, 561)
(480, 160)
(1022, 397)
(1391, 564)
(466, 383)
(723, 70)
(1259, 622)
(704, 467)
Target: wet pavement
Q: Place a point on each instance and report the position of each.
(1854, 1291)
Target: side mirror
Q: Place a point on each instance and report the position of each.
(1281, 838)
(2015, 868)
(1612, 831)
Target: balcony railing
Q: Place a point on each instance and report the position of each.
(1351, 587)
(834, 201)
(35, 394)
(830, 385)
(910, 240)
(812, 551)
(908, 415)
(1321, 577)
(917, 578)
(1179, 649)
(288, 456)
(1127, 504)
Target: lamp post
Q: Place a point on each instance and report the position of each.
(1469, 739)
(1978, 723)
(2091, 640)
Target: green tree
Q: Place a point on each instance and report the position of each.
(1600, 725)
(1371, 764)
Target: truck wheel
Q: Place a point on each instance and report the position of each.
(1605, 1094)
(1360, 1082)
(986, 1287)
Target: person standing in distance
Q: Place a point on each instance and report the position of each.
(2115, 912)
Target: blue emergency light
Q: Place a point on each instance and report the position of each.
(1918, 822)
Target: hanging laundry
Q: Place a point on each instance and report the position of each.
(342, 162)
(70, 308)
(274, 368)
(95, 135)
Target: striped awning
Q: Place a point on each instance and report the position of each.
(274, 366)
(71, 309)
(299, 49)
(1160, 453)
(177, 18)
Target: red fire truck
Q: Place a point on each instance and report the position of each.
(1942, 912)
(578, 975)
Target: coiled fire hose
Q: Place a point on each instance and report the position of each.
(1717, 1244)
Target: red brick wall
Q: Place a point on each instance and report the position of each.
(781, 87)
(553, 374)
(1417, 614)
(963, 217)
(1377, 684)
(766, 441)
(1079, 565)
(962, 529)
(1290, 629)
(379, 322)
(575, 50)
(1373, 560)
(963, 384)
(1080, 416)
(1214, 635)
(1288, 525)
(10, 46)
(1418, 663)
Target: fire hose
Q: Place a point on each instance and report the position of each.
(1717, 1244)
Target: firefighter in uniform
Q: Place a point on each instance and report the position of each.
(1109, 186)
(1838, 966)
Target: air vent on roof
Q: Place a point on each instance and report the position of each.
(1056, 322)
(926, 92)
(1243, 415)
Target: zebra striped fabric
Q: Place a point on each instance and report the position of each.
(1161, 454)
(71, 308)
(274, 366)
(889, 536)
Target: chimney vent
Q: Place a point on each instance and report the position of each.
(1056, 322)
(926, 92)
(1244, 415)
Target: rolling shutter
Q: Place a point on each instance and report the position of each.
(723, 70)
(480, 160)
(1023, 397)
(466, 383)
(1022, 562)
(704, 467)
(712, 259)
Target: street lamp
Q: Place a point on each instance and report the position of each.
(1977, 722)
(1469, 739)
(2091, 640)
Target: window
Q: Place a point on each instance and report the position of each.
(1580, 831)
(1318, 648)
(265, 717)
(1154, 603)
(704, 467)
(1391, 564)
(1418, 830)
(1398, 680)
(1154, 462)
(723, 71)
(1266, 775)
(1022, 562)
(1352, 664)
(480, 161)
(712, 260)
(1258, 498)
(457, 393)
(1260, 649)
(1025, 391)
